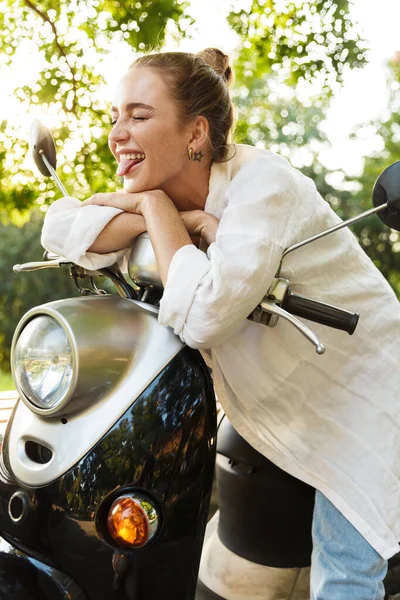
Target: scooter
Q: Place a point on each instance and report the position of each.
(107, 463)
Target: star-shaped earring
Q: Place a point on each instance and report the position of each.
(198, 156)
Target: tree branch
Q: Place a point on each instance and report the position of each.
(59, 47)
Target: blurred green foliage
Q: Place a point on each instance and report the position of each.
(20, 292)
(72, 39)
(284, 48)
(381, 243)
(6, 382)
(311, 40)
(290, 42)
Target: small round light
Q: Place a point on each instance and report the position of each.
(132, 520)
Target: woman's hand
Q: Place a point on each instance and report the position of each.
(128, 202)
(200, 224)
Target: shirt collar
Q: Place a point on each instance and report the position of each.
(220, 177)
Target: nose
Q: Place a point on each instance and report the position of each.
(119, 133)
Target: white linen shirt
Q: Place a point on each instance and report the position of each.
(69, 229)
(333, 421)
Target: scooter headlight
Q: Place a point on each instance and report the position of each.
(69, 354)
(43, 365)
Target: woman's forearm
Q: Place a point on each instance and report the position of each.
(166, 230)
(120, 233)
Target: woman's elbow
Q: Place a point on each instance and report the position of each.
(205, 339)
(49, 242)
(196, 344)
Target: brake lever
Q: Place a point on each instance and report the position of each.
(268, 306)
(47, 255)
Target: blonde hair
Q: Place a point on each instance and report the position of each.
(199, 84)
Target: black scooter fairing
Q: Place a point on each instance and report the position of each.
(164, 445)
(23, 577)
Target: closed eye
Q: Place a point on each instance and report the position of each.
(114, 121)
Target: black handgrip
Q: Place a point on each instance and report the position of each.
(325, 314)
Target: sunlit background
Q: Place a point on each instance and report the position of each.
(362, 98)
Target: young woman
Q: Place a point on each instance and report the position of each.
(333, 420)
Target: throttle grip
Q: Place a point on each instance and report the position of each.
(319, 312)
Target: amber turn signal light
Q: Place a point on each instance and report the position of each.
(132, 520)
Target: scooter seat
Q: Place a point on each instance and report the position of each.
(231, 445)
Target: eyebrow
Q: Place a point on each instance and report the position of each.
(133, 105)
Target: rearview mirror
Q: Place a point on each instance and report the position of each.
(387, 190)
(41, 143)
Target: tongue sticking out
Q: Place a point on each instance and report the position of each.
(125, 165)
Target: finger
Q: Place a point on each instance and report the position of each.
(190, 227)
(190, 220)
(99, 199)
(186, 218)
(122, 200)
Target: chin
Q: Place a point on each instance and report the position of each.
(133, 187)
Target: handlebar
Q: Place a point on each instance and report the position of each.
(325, 314)
(35, 266)
(282, 303)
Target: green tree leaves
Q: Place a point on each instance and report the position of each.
(20, 292)
(68, 41)
(309, 40)
(380, 243)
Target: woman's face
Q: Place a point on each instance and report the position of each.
(147, 139)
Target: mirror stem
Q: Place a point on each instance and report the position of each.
(367, 213)
(53, 174)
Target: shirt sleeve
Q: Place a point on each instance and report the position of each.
(208, 297)
(69, 229)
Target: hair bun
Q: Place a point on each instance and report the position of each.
(218, 61)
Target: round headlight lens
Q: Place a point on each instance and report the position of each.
(43, 362)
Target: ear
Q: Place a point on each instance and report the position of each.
(199, 133)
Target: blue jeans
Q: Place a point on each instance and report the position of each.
(343, 566)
